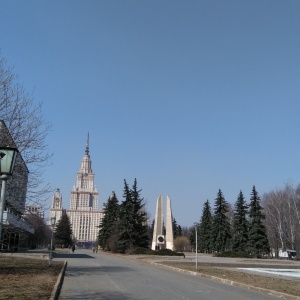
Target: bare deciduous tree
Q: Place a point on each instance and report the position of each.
(273, 208)
(182, 243)
(282, 210)
(28, 128)
(41, 235)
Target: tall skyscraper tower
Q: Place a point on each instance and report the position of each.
(83, 213)
(84, 195)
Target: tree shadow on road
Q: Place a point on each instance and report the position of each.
(72, 255)
(104, 295)
(81, 271)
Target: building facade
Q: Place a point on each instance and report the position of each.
(14, 225)
(36, 210)
(56, 209)
(83, 213)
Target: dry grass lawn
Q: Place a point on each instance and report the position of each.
(230, 272)
(25, 278)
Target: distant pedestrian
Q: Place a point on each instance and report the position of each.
(73, 248)
(93, 248)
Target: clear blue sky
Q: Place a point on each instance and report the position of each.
(186, 96)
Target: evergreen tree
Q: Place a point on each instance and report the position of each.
(108, 227)
(240, 225)
(177, 231)
(174, 225)
(221, 234)
(133, 228)
(192, 236)
(63, 231)
(258, 243)
(141, 219)
(125, 228)
(151, 230)
(205, 229)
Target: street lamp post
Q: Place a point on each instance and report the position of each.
(196, 234)
(53, 219)
(7, 161)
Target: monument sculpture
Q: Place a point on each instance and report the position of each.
(161, 240)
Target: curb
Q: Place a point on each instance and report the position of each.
(59, 282)
(234, 283)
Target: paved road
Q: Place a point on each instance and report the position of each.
(105, 276)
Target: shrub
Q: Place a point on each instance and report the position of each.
(147, 251)
(182, 243)
(141, 250)
(168, 252)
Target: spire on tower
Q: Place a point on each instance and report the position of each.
(87, 144)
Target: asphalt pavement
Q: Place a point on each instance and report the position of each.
(104, 276)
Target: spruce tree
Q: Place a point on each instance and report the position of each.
(192, 235)
(133, 227)
(177, 231)
(151, 230)
(258, 243)
(141, 220)
(63, 231)
(125, 227)
(108, 227)
(240, 225)
(205, 229)
(174, 225)
(221, 234)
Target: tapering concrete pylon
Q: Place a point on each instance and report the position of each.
(159, 240)
(169, 226)
(158, 223)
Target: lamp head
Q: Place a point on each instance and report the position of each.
(8, 157)
(53, 220)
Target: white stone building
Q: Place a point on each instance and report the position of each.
(83, 213)
(34, 210)
(56, 209)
